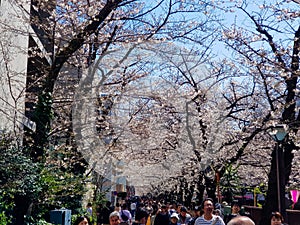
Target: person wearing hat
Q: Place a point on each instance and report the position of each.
(184, 216)
(174, 219)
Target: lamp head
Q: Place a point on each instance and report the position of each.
(279, 132)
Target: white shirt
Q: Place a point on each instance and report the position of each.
(215, 220)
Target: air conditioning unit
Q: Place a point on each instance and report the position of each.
(60, 217)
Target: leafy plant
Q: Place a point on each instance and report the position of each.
(62, 182)
(230, 182)
(19, 177)
(33, 221)
(5, 208)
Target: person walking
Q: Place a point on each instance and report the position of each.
(133, 209)
(184, 216)
(174, 219)
(82, 220)
(114, 218)
(103, 213)
(162, 216)
(125, 215)
(277, 219)
(89, 211)
(241, 220)
(197, 213)
(235, 211)
(141, 217)
(208, 218)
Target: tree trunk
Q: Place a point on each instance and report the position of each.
(211, 188)
(22, 204)
(285, 162)
(39, 91)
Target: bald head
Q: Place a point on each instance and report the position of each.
(241, 220)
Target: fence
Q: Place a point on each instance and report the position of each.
(292, 216)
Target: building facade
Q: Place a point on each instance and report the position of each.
(26, 50)
(14, 38)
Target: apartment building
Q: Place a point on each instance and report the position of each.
(25, 51)
(14, 38)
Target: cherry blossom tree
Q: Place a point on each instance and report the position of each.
(266, 52)
(159, 108)
(74, 34)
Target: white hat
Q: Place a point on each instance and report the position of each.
(174, 215)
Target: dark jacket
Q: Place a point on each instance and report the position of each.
(162, 219)
(174, 223)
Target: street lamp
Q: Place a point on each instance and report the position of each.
(278, 133)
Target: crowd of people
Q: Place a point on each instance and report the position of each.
(155, 213)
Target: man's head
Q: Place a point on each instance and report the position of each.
(183, 211)
(141, 216)
(241, 220)
(163, 209)
(114, 218)
(198, 210)
(207, 206)
(178, 207)
(217, 212)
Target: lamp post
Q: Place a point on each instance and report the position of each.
(217, 174)
(278, 133)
